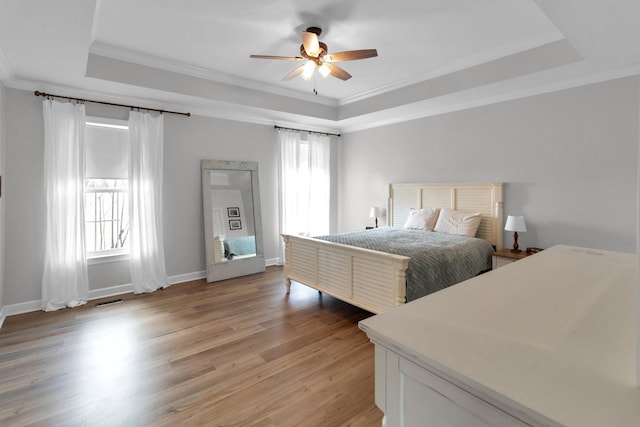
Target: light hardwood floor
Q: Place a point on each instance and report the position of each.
(234, 353)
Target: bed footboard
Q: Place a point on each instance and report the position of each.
(372, 280)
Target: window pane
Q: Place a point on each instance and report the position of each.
(89, 207)
(106, 215)
(90, 235)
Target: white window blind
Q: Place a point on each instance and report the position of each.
(107, 151)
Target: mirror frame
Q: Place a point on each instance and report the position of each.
(235, 267)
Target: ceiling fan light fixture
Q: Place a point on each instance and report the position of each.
(308, 70)
(316, 54)
(324, 70)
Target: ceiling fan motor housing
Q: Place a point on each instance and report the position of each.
(315, 30)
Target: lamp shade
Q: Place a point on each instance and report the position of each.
(324, 70)
(515, 223)
(376, 212)
(308, 69)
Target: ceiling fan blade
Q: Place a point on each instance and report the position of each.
(311, 43)
(351, 55)
(338, 72)
(293, 74)
(281, 58)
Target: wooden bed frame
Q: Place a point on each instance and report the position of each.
(375, 281)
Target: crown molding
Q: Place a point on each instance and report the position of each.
(74, 92)
(420, 112)
(246, 114)
(461, 64)
(6, 73)
(214, 109)
(127, 55)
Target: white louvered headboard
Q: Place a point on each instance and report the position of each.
(485, 198)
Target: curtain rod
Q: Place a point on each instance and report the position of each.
(308, 131)
(38, 93)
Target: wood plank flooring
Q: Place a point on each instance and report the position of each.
(234, 353)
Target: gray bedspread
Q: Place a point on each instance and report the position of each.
(437, 260)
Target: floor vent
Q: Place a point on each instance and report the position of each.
(115, 301)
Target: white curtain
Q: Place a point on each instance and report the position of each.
(305, 182)
(65, 281)
(145, 202)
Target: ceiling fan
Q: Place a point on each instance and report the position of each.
(316, 55)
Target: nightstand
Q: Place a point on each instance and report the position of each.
(505, 256)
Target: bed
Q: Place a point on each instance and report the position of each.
(376, 280)
(240, 247)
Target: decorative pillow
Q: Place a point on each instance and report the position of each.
(458, 222)
(422, 219)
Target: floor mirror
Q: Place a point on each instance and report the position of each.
(232, 219)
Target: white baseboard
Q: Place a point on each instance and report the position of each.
(29, 306)
(272, 261)
(187, 277)
(22, 307)
(110, 291)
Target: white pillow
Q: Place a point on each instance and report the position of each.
(458, 222)
(422, 219)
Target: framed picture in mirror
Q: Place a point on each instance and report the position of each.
(235, 224)
(233, 212)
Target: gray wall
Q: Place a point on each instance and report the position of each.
(187, 141)
(569, 161)
(24, 192)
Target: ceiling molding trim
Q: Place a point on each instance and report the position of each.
(215, 109)
(461, 64)
(73, 92)
(6, 73)
(258, 116)
(127, 55)
(359, 124)
(27, 85)
(255, 116)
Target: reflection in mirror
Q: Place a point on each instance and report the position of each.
(232, 198)
(233, 231)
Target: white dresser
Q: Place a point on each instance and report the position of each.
(546, 341)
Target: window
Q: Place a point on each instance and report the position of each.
(106, 201)
(305, 183)
(106, 214)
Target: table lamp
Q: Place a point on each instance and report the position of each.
(376, 212)
(515, 224)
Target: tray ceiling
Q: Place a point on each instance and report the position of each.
(434, 56)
